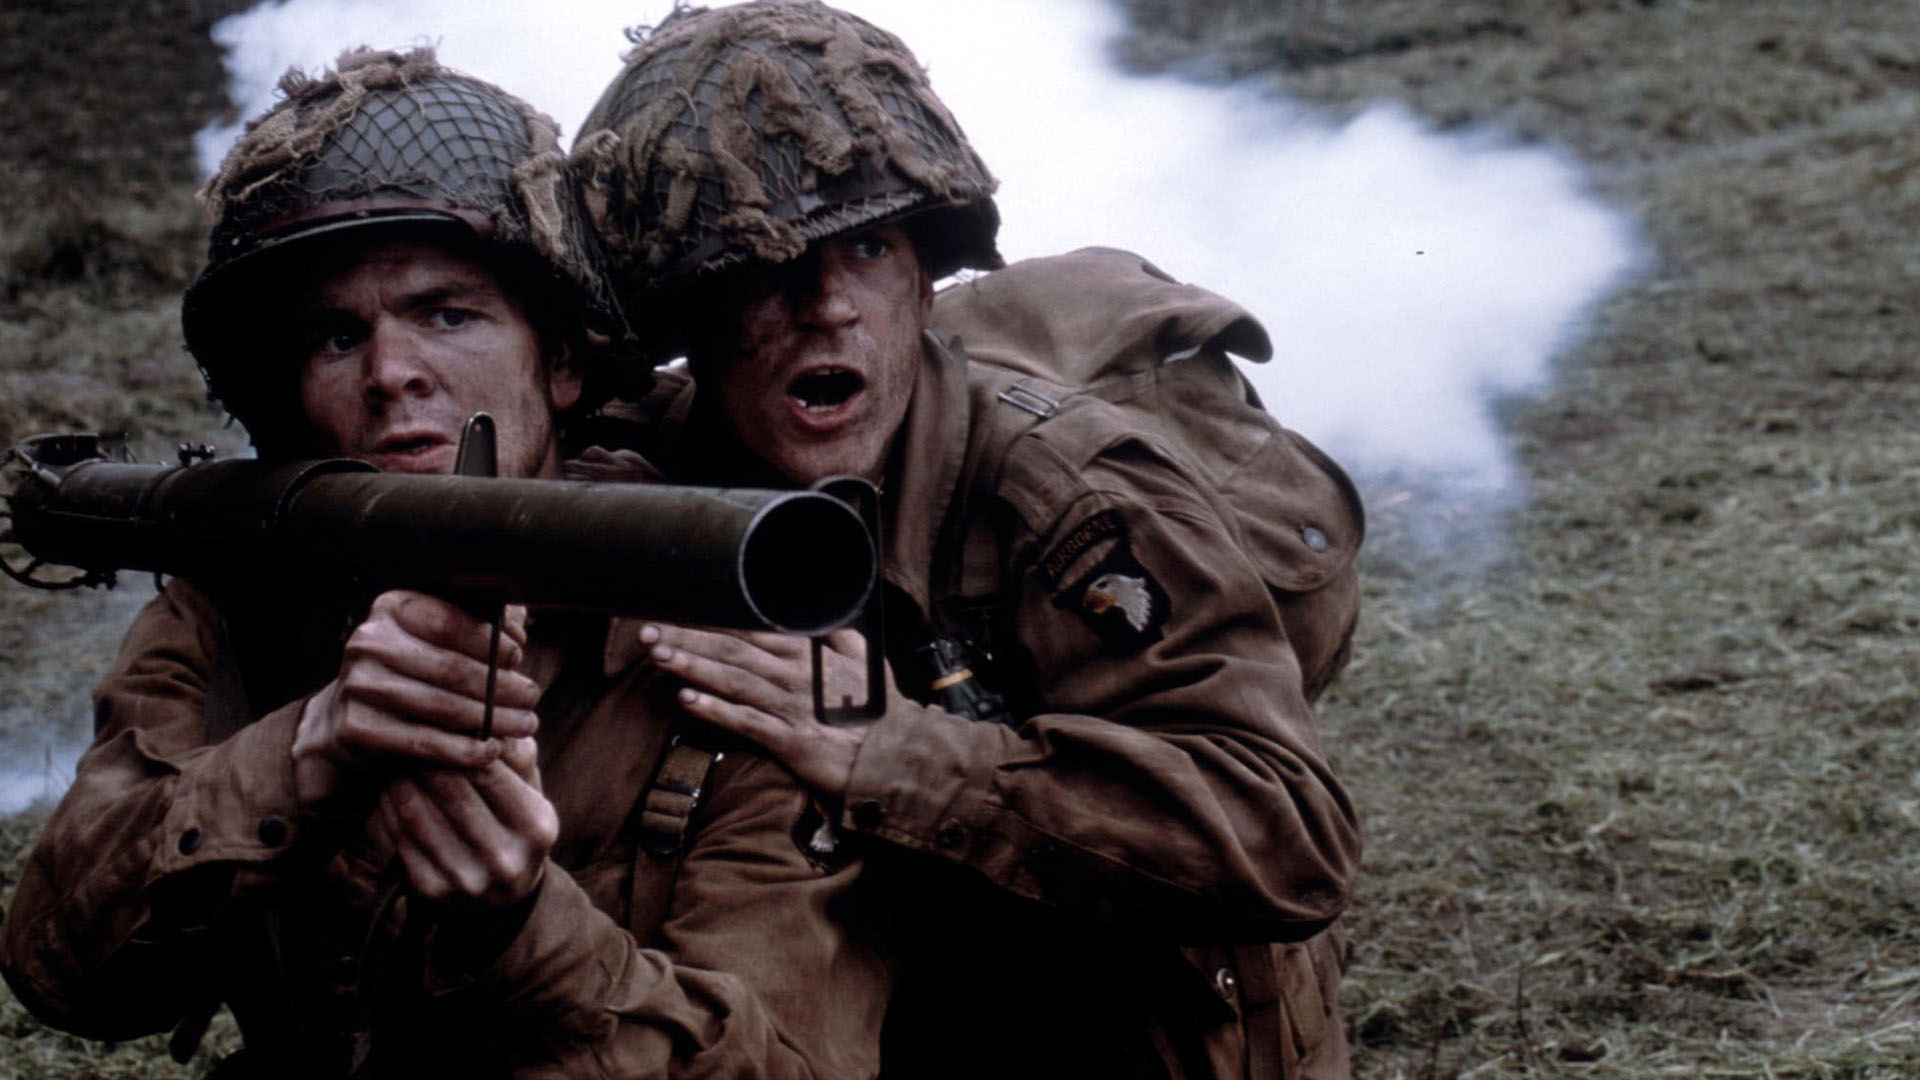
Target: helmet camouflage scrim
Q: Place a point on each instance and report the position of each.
(740, 135)
(388, 145)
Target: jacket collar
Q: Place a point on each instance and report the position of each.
(926, 466)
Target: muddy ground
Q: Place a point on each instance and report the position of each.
(1642, 785)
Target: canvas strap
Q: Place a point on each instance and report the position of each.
(666, 817)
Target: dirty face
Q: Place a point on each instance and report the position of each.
(396, 348)
(812, 363)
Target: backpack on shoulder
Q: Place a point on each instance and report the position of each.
(1110, 324)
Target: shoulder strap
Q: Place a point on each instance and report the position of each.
(665, 815)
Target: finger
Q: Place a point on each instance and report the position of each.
(770, 732)
(849, 643)
(517, 804)
(427, 821)
(376, 731)
(504, 826)
(372, 683)
(423, 874)
(436, 621)
(789, 646)
(515, 626)
(751, 649)
(428, 880)
(455, 672)
(707, 657)
(615, 466)
(741, 686)
(522, 755)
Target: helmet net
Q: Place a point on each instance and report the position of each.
(383, 131)
(398, 125)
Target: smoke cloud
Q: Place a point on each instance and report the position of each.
(1408, 277)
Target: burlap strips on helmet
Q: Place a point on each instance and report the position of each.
(729, 122)
(313, 108)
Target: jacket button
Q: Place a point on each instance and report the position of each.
(951, 835)
(1224, 982)
(273, 830)
(190, 841)
(868, 813)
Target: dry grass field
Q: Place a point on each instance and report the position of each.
(1643, 787)
(1641, 776)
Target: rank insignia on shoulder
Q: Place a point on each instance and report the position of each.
(1119, 599)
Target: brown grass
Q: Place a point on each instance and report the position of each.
(1641, 787)
(98, 236)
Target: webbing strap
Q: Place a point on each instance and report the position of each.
(666, 814)
(670, 800)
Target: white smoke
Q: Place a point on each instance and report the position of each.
(1408, 277)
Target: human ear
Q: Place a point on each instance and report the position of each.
(564, 381)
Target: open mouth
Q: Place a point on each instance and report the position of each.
(827, 388)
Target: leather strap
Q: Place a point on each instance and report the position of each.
(666, 815)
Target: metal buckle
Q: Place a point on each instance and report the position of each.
(1027, 399)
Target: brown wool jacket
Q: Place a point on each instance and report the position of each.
(179, 871)
(1163, 798)
(1139, 877)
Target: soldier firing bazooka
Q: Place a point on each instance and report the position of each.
(1117, 844)
(312, 835)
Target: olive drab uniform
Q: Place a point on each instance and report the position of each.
(1132, 865)
(179, 873)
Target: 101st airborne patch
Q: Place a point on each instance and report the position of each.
(1117, 597)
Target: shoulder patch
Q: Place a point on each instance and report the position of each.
(1119, 599)
(1107, 525)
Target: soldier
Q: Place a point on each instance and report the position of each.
(313, 835)
(1117, 842)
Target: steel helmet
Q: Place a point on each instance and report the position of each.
(741, 134)
(390, 142)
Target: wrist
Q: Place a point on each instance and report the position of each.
(469, 937)
(316, 775)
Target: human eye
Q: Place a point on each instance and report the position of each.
(451, 318)
(329, 338)
(868, 246)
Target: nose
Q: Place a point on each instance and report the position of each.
(824, 301)
(396, 364)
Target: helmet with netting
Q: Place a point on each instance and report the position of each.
(740, 135)
(389, 146)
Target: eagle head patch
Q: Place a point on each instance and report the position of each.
(1117, 597)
